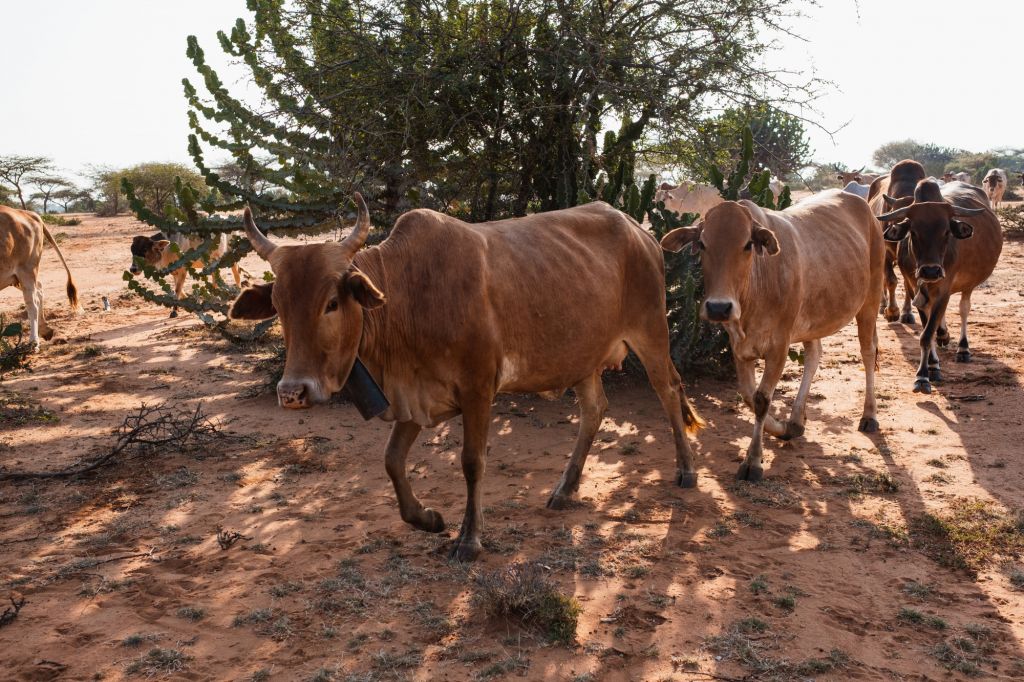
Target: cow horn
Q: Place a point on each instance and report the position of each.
(889, 201)
(894, 216)
(967, 212)
(355, 240)
(260, 243)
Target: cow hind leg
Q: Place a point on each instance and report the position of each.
(33, 293)
(236, 273)
(668, 385)
(403, 434)
(752, 468)
(593, 403)
(867, 334)
(476, 419)
(963, 351)
(798, 417)
(179, 284)
(907, 314)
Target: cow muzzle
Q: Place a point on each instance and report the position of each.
(133, 268)
(296, 395)
(719, 311)
(930, 273)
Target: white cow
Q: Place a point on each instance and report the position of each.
(688, 197)
(995, 184)
(856, 188)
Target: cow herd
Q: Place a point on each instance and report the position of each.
(446, 315)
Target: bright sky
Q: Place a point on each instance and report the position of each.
(98, 82)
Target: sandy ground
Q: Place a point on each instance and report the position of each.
(329, 583)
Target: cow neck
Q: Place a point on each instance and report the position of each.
(371, 341)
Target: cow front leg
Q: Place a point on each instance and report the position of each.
(963, 351)
(593, 403)
(179, 284)
(476, 419)
(929, 365)
(747, 381)
(774, 362)
(798, 417)
(890, 310)
(403, 435)
(907, 314)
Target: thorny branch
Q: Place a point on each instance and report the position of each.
(148, 429)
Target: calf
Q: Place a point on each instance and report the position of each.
(154, 251)
(21, 246)
(949, 241)
(995, 185)
(688, 197)
(846, 177)
(775, 278)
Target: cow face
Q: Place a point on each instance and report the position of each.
(150, 249)
(728, 240)
(847, 178)
(319, 296)
(930, 225)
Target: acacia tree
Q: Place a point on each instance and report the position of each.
(48, 186)
(15, 170)
(932, 156)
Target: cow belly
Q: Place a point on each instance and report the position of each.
(519, 375)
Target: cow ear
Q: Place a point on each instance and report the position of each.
(359, 286)
(895, 232)
(675, 240)
(960, 229)
(254, 303)
(764, 240)
(161, 245)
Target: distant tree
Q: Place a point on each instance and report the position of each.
(933, 157)
(977, 164)
(6, 196)
(154, 185)
(48, 186)
(73, 197)
(15, 171)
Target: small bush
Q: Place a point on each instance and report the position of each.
(970, 534)
(59, 220)
(159, 661)
(1012, 220)
(526, 592)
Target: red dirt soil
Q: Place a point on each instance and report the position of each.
(330, 581)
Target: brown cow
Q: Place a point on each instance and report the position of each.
(445, 315)
(21, 246)
(949, 241)
(888, 192)
(846, 177)
(774, 278)
(154, 251)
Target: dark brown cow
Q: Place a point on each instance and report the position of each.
(888, 192)
(22, 234)
(949, 241)
(445, 315)
(775, 278)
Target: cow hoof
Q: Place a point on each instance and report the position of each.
(753, 474)
(430, 521)
(686, 479)
(963, 356)
(560, 500)
(174, 314)
(934, 375)
(922, 385)
(907, 318)
(47, 335)
(868, 425)
(464, 551)
(892, 315)
(793, 430)
(942, 340)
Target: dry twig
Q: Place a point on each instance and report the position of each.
(148, 429)
(11, 612)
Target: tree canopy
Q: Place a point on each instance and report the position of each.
(482, 108)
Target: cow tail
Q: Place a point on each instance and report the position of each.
(693, 421)
(71, 288)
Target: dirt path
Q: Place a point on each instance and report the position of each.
(835, 568)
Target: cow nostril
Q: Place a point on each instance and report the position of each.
(718, 310)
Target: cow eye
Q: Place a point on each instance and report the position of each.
(332, 305)
(748, 245)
